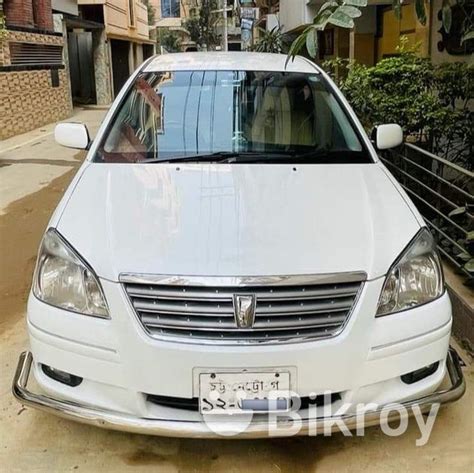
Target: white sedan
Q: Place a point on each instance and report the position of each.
(232, 258)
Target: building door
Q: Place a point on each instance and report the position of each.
(147, 51)
(81, 67)
(120, 67)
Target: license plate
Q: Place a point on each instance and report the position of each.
(244, 392)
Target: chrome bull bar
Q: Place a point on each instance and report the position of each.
(199, 429)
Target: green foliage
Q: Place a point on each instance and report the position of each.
(270, 41)
(170, 40)
(420, 11)
(467, 29)
(202, 26)
(467, 36)
(151, 12)
(464, 217)
(431, 103)
(397, 8)
(446, 15)
(192, 26)
(454, 84)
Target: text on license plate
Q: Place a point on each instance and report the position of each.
(241, 392)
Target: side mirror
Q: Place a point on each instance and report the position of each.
(72, 135)
(388, 136)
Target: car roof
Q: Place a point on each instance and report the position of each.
(227, 61)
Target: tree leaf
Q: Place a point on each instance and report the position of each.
(464, 256)
(356, 3)
(447, 16)
(397, 8)
(457, 212)
(420, 11)
(467, 36)
(353, 12)
(469, 266)
(341, 19)
(312, 43)
(296, 46)
(320, 19)
(325, 6)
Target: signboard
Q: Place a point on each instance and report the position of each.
(246, 24)
(249, 13)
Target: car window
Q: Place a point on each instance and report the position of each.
(168, 115)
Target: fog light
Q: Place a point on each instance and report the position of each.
(420, 374)
(61, 376)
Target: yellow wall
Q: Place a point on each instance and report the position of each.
(364, 48)
(341, 43)
(117, 18)
(408, 25)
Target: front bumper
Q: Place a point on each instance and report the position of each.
(183, 428)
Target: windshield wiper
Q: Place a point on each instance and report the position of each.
(220, 156)
(318, 155)
(290, 157)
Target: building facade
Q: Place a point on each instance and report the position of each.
(107, 41)
(378, 31)
(34, 80)
(54, 53)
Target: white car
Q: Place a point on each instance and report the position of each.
(233, 256)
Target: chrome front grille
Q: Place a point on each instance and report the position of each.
(202, 309)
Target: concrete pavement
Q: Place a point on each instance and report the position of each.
(34, 173)
(39, 160)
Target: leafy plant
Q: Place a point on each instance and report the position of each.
(468, 23)
(431, 103)
(202, 26)
(453, 137)
(151, 13)
(336, 12)
(170, 40)
(463, 251)
(270, 41)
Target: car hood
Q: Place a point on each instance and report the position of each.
(237, 219)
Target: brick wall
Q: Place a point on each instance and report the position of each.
(42, 14)
(28, 99)
(19, 12)
(29, 13)
(25, 37)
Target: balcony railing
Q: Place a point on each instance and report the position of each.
(443, 193)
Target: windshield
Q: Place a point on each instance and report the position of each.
(231, 116)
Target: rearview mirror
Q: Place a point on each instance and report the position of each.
(388, 136)
(72, 135)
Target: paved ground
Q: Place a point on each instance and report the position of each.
(33, 175)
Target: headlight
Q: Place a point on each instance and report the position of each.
(64, 280)
(416, 277)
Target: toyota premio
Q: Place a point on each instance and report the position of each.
(233, 258)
